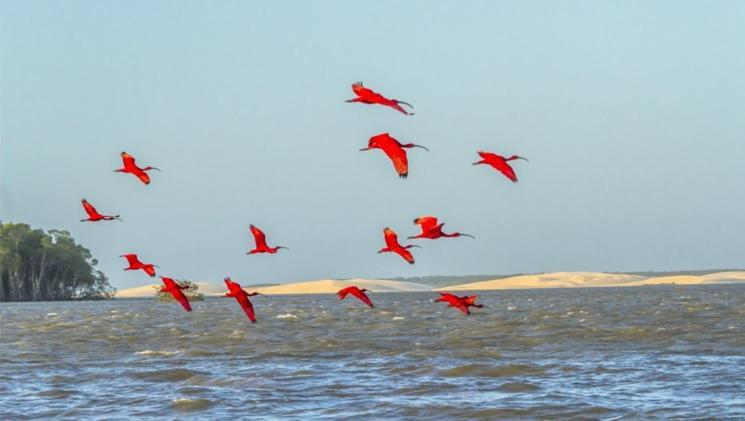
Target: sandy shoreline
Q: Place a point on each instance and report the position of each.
(536, 281)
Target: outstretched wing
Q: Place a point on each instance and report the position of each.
(391, 239)
(507, 170)
(181, 298)
(132, 259)
(344, 291)
(426, 222)
(363, 297)
(128, 160)
(142, 175)
(398, 158)
(89, 209)
(259, 237)
(406, 254)
(247, 307)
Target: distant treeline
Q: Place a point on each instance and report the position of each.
(41, 266)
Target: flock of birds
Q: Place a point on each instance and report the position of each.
(430, 227)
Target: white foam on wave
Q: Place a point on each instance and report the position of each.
(52, 314)
(159, 353)
(289, 316)
(399, 318)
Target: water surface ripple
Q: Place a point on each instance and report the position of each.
(662, 351)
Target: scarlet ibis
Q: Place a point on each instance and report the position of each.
(392, 245)
(432, 230)
(93, 214)
(358, 293)
(174, 289)
(130, 167)
(261, 246)
(135, 264)
(235, 291)
(499, 163)
(395, 151)
(460, 303)
(368, 96)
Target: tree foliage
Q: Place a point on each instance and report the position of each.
(192, 293)
(38, 266)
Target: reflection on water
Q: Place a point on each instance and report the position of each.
(596, 353)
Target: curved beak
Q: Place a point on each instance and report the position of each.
(467, 235)
(524, 159)
(365, 149)
(420, 146)
(405, 103)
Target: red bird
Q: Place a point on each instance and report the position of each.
(358, 293)
(131, 167)
(135, 264)
(499, 163)
(261, 246)
(461, 303)
(235, 291)
(174, 288)
(368, 96)
(395, 151)
(432, 230)
(392, 245)
(93, 214)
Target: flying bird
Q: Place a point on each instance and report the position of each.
(392, 245)
(357, 293)
(235, 291)
(460, 303)
(432, 230)
(93, 215)
(135, 264)
(175, 290)
(368, 96)
(261, 246)
(130, 167)
(499, 163)
(394, 150)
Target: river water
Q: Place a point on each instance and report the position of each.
(601, 353)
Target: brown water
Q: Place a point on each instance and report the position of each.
(590, 353)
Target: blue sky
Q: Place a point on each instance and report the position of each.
(632, 115)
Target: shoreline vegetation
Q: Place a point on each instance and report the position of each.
(47, 266)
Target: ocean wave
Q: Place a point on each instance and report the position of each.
(187, 404)
(287, 316)
(158, 353)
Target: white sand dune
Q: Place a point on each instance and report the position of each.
(323, 286)
(330, 286)
(593, 279)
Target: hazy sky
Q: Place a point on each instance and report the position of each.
(632, 115)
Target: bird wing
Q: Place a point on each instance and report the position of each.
(398, 158)
(142, 175)
(486, 155)
(247, 307)
(149, 269)
(426, 222)
(181, 298)
(362, 297)
(406, 254)
(128, 160)
(259, 237)
(89, 209)
(507, 170)
(132, 260)
(344, 291)
(391, 239)
(462, 307)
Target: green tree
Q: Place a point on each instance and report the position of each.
(192, 293)
(36, 265)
